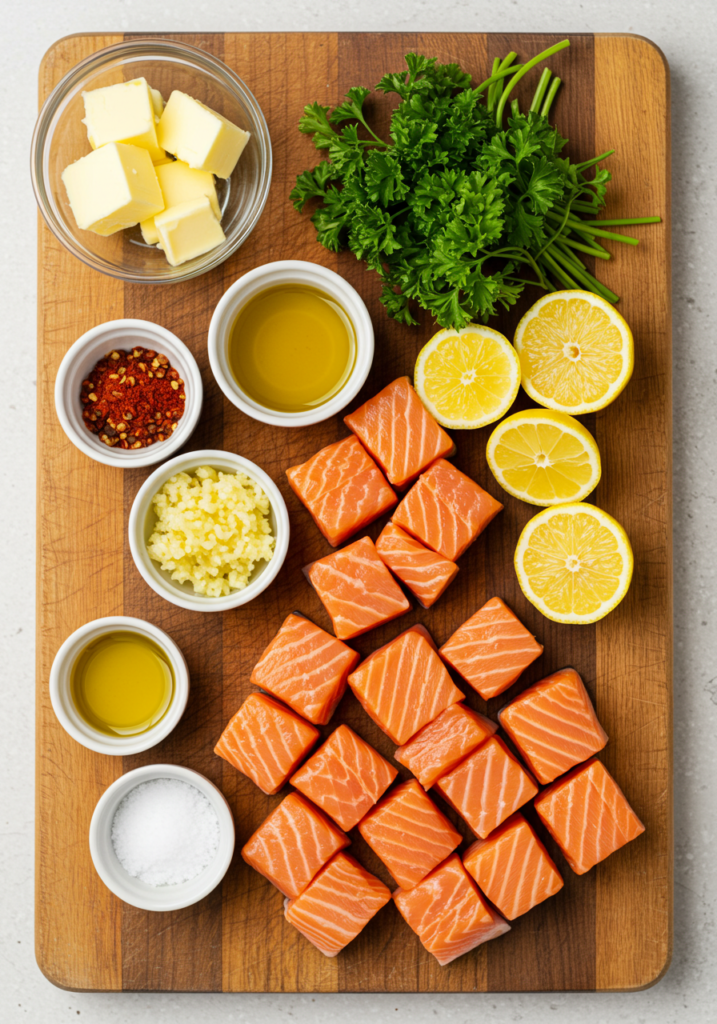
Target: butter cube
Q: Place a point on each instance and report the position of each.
(179, 183)
(157, 102)
(112, 188)
(202, 138)
(124, 113)
(188, 230)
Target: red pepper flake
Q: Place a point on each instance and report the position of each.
(131, 399)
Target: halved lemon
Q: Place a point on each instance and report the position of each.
(574, 563)
(576, 352)
(544, 457)
(467, 378)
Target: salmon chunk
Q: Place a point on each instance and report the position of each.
(266, 741)
(588, 816)
(306, 667)
(292, 844)
(491, 649)
(408, 832)
(337, 905)
(444, 742)
(424, 572)
(448, 913)
(356, 589)
(400, 433)
(404, 685)
(345, 777)
(553, 724)
(487, 787)
(513, 868)
(446, 510)
(343, 489)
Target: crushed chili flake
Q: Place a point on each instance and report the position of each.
(132, 398)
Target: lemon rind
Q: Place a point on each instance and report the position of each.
(463, 424)
(614, 390)
(526, 417)
(625, 549)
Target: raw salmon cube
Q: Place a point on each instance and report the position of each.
(513, 868)
(408, 832)
(293, 844)
(487, 787)
(444, 742)
(356, 589)
(446, 510)
(343, 489)
(337, 905)
(424, 572)
(587, 815)
(448, 913)
(553, 724)
(266, 741)
(400, 433)
(345, 777)
(306, 667)
(491, 649)
(404, 685)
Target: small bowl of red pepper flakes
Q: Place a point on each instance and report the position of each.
(128, 393)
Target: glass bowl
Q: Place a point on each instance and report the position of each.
(60, 138)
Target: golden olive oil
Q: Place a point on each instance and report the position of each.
(122, 683)
(291, 348)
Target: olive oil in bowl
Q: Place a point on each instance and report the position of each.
(291, 348)
(122, 683)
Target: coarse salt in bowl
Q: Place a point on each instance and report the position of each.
(142, 519)
(167, 895)
(81, 358)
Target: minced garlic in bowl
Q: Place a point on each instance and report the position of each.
(212, 529)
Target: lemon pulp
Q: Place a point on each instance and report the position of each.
(574, 562)
(576, 352)
(467, 378)
(544, 457)
(291, 348)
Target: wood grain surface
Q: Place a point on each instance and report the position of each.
(610, 929)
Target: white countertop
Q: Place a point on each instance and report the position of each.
(687, 33)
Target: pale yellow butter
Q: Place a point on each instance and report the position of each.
(126, 112)
(112, 188)
(179, 183)
(188, 230)
(202, 138)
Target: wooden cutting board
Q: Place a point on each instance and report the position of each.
(610, 929)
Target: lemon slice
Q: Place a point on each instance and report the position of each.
(574, 562)
(467, 378)
(544, 457)
(576, 352)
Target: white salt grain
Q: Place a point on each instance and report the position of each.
(165, 832)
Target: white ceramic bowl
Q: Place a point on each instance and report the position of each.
(64, 706)
(80, 359)
(269, 276)
(142, 520)
(132, 890)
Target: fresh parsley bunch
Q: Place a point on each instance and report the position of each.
(456, 213)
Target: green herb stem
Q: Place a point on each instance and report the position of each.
(591, 250)
(523, 71)
(622, 222)
(578, 269)
(540, 90)
(586, 164)
(494, 89)
(497, 77)
(558, 272)
(581, 225)
(549, 99)
(515, 108)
